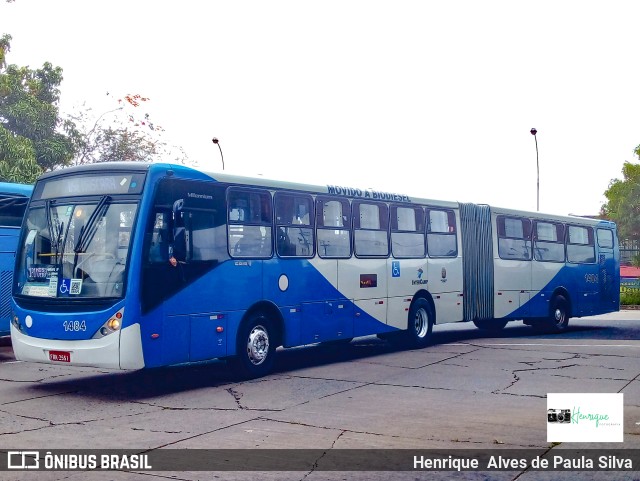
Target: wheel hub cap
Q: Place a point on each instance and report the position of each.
(421, 323)
(258, 345)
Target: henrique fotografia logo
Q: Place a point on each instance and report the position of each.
(585, 417)
(559, 415)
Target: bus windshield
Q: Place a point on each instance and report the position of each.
(75, 249)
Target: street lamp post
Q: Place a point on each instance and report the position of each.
(217, 142)
(534, 132)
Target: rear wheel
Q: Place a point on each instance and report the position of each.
(559, 315)
(420, 323)
(256, 347)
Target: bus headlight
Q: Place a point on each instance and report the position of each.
(112, 325)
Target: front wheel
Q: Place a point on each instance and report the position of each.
(256, 348)
(420, 323)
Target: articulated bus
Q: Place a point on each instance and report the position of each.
(13, 202)
(129, 266)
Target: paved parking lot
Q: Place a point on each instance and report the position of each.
(467, 391)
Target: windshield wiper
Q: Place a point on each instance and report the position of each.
(55, 227)
(91, 227)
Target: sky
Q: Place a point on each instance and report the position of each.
(426, 98)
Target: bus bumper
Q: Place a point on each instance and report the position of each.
(104, 352)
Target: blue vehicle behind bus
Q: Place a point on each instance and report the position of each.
(128, 265)
(13, 202)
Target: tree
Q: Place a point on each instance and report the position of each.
(121, 133)
(33, 136)
(623, 201)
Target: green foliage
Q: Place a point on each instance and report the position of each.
(623, 201)
(124, 145)
(17, 159)
(631, 298)
(5, 46)
(33, 137)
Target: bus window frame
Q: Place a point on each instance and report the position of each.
(419, 230)
(311, 226)
(355, 214)
(560, 240)
(451, 216)
(347, 227)
(610, 232)
(591, 238)
(526, 232)
(263, 223)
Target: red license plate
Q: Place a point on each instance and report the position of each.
(60, 356)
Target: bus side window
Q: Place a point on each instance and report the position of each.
(514, 238)
(605, 238)
(370, 229)
(294, 231)
(12, 210)
(580, 245)
(249, 214)
(207, 234)
(548, 242)
(407, 232)
(442, 240)
(333, 218)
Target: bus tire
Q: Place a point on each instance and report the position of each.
(256, 347)
(558, 320)
(420, 324)
(490, 325)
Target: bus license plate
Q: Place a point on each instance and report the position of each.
(60, 356)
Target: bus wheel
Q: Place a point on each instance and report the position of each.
(420, 325)
(559, 316)
(256, 348)
(490, 325)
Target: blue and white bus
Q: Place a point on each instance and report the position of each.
(129, 265)
(13, 202)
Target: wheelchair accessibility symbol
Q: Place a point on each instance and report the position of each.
(65, 285)
(70, 287)
(395, 269)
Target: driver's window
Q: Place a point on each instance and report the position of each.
(159, 243)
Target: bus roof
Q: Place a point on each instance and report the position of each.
(17, 189)
(351, 192)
